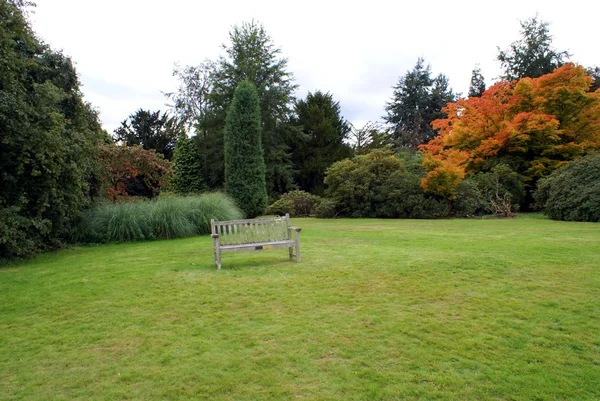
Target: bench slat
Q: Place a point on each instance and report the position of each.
(265, 220)
(255, 247)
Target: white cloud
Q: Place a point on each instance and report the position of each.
(125, 49)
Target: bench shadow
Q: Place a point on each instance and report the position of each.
(253, 262)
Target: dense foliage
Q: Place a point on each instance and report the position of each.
(381, 184)
(418, 100)
(532, 55)
(251, 55)
(151, 130)
(166, 217)
(187, 167)
(130, 171)
(498, 191)
(244, 162)
(247, 133)
(295, 203)
(205, 94)
(203, 122)
(532, 125)
(48, 141)
(573, 192)
(323, 141)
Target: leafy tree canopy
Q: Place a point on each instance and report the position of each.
(151, 130)
(532, 125)
(130, 171)
(48, 140)
(532, 55)
(372, 135)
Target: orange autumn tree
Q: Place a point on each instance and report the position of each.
(532, 125)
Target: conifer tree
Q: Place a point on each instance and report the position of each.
(252, 55)
(477, 86)
(187, 166)
(244, 159)
(417, 101)
(532, 55)
(325, 131)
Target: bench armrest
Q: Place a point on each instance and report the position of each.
(214, 236)
(297, 229)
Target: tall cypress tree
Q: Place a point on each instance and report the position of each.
(244, 159)
(252, 55)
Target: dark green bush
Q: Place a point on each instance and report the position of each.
(498, 191)
(470, 200)
(325, 209)
(166, 217)
(573, 191)
(296, 203)
(281, 207)
(187, 168)
(381, 184)
(49, 140)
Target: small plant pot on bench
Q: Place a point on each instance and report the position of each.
(254, 235)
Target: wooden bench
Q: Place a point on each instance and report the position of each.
(254, 235)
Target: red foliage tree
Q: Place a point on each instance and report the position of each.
(127, 166)
(533, 125)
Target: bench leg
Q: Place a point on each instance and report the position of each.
(291, 249)
(218, 257)
(297, 246)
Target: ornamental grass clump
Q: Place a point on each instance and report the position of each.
(164, 218)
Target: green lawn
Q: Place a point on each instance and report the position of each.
(377, 310)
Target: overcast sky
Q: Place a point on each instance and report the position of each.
(124, 50)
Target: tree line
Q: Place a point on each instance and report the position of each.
(430, 151)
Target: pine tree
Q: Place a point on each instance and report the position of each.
(324, 132)
(417, 101)
(244, 160)
(533, 55)
(151, 130)
(477, 86)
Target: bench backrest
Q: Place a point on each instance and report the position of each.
(237, 232)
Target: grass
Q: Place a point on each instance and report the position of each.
(164, 218)
(377, 310)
